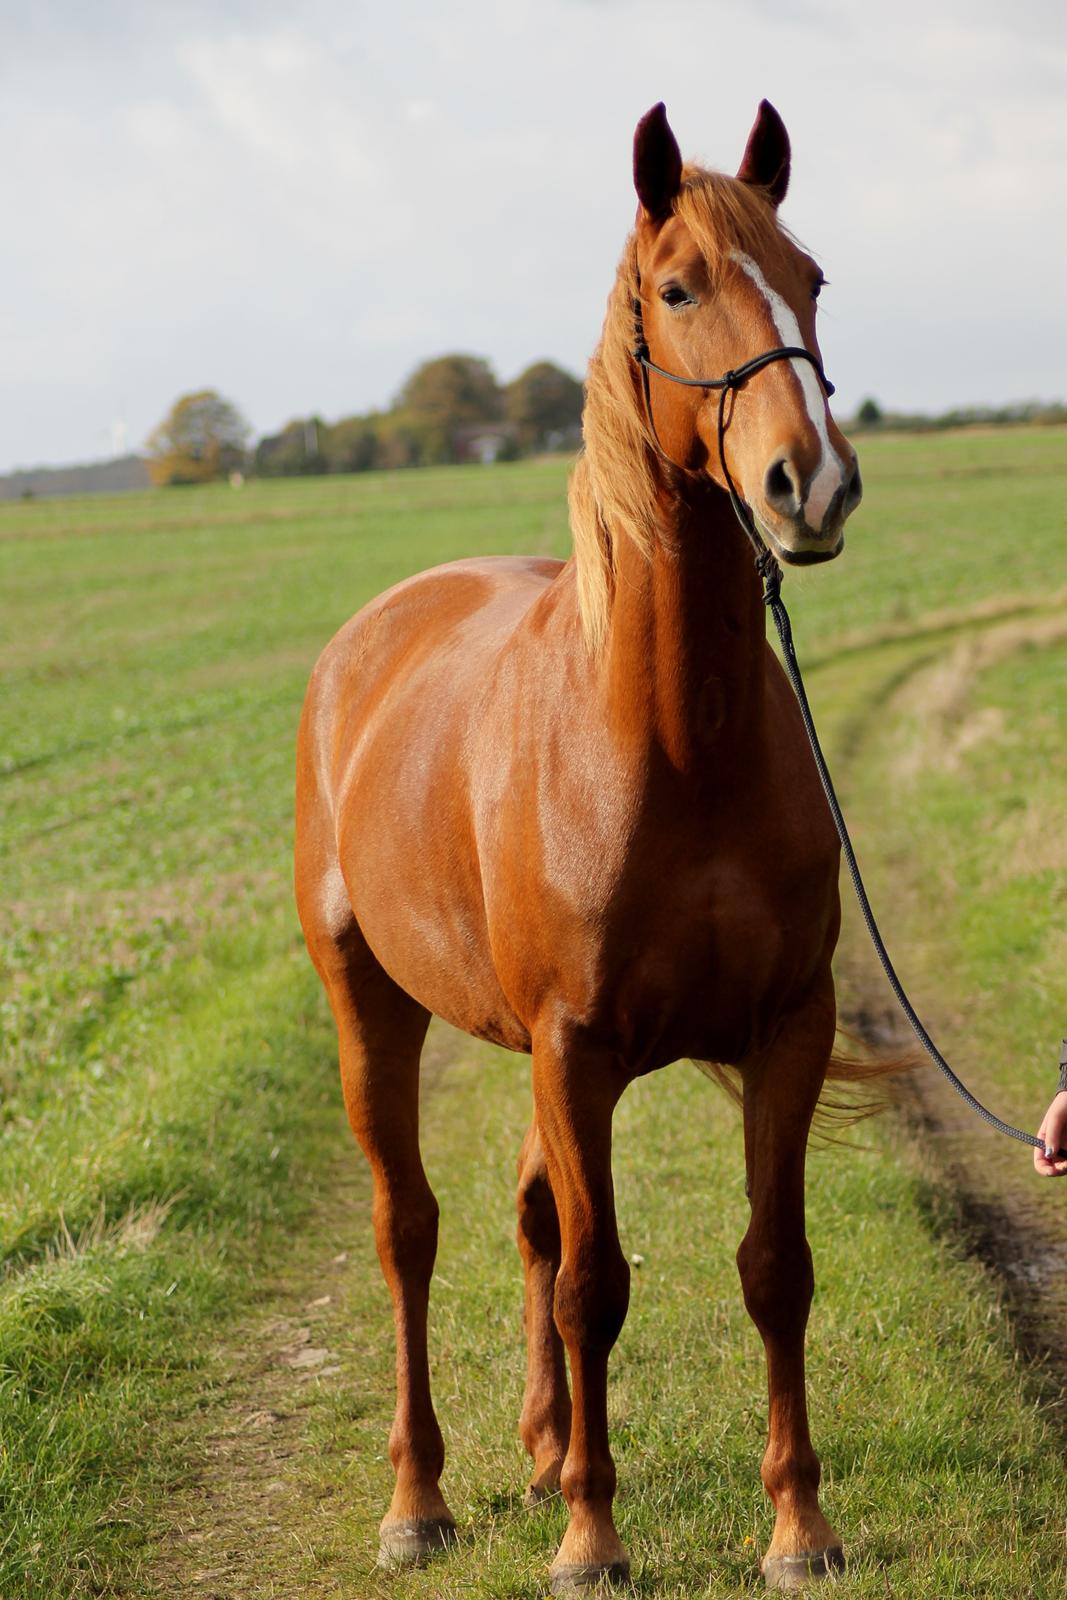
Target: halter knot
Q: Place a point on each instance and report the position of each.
(771, 576)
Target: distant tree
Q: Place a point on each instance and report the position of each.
(351, 445)
(298, 451)
(443, 395)
(202, 437)
(281, 455)
(545, 405)
(401, 440)
(869, 413)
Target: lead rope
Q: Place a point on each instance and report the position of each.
(770, 574)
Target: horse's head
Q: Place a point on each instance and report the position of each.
(719, 283)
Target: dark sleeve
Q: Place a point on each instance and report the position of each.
(1063, 1065)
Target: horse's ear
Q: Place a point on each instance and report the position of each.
(657, 163)
(766, 157)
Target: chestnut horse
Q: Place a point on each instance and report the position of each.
(569, 806)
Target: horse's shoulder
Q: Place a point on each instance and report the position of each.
(461, 612)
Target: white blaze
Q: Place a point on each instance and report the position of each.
(830, 472)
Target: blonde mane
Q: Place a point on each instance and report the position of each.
(614, 485)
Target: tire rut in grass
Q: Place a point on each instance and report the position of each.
(972, 1194)
(1025, 1260)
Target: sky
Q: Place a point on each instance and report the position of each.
(297, 203)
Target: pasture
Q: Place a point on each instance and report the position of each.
(178, 1182)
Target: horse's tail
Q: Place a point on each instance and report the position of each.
(860, 1072)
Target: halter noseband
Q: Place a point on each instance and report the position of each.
(766, 564)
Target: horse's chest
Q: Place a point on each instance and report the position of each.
(704, 949)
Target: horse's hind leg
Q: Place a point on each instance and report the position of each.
(545, 1424)
(381, 1031)
(781, 1092)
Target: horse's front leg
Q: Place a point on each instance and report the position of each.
(780, 1093)
(575, 1093)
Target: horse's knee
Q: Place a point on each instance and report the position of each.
(778, 1282)
(405, 1227)
(592, 1299)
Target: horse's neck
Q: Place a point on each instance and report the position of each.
(685, 659)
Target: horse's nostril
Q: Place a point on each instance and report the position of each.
(781, 485)
(854, 491)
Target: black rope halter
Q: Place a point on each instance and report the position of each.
(770, 573)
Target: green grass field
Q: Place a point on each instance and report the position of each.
(177, 1175)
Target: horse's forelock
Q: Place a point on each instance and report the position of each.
(725, 215)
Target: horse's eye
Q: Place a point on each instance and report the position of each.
(675, 295)
(817, 287)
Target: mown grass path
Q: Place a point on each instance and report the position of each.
(177, 1177)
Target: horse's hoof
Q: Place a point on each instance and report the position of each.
(585, 1577)
(542, 1486)
(409, 1544)
(808, 1566)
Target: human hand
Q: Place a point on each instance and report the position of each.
(1053, 1134)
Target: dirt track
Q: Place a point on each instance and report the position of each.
(242, 1523)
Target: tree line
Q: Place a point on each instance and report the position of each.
(871, 417)
(450, 409)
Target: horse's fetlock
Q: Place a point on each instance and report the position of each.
(418, 1454)
(546, 1417)
(590, 1484)
(791, 1476)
